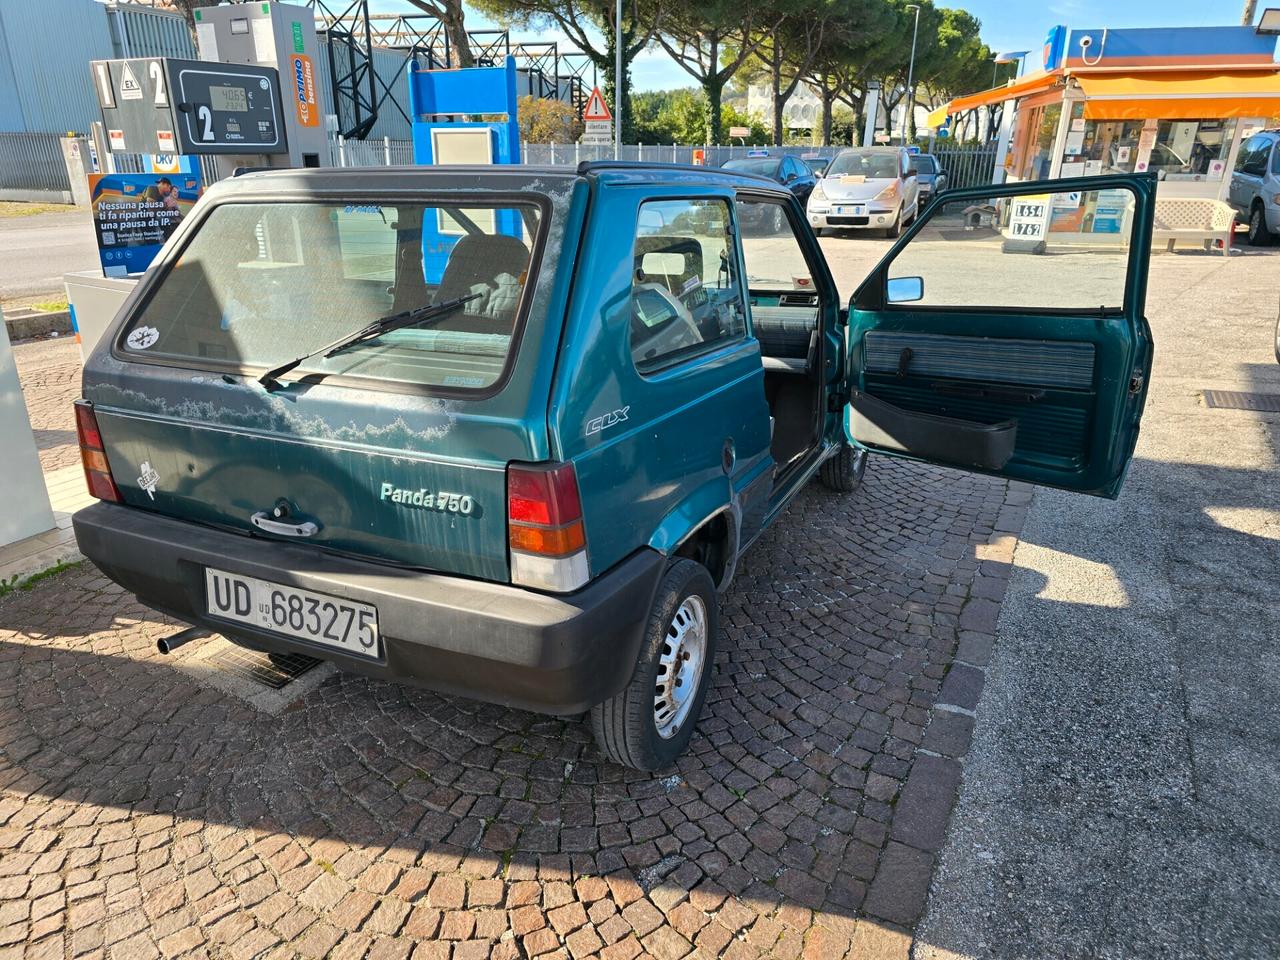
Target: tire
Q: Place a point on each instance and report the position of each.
(1259, 235)
(821, 232)
(843, 472)
(627, 726)
(896, 229)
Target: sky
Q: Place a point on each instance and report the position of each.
(1007, 25)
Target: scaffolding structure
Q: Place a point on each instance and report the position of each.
(359, 91)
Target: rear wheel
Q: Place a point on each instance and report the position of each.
(648, 724)
(843, 472)
(1259, 235)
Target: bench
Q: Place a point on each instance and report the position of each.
(1193, 218)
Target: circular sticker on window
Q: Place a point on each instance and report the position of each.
(142, 338)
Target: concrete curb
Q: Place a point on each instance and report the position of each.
(25, 324)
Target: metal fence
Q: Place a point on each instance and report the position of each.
(965, 165)
(32, 168)
(370, 153)
(968, 166)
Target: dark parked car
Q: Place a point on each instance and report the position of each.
(816, 163)
(930, 175)
(792, 172)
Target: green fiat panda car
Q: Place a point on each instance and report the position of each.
(506, 431)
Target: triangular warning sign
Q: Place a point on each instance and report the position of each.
(596, 109)
(130, 89)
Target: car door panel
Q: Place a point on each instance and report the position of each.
(1045, 394)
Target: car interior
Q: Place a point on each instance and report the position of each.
(785, 319)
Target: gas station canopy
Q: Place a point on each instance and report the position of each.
(1022, 87)
(1179, 95)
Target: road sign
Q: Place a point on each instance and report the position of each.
(596, 108)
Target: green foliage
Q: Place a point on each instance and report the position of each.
(680, 116)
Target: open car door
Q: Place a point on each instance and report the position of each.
(1004, 334)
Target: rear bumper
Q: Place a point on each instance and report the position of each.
(489, 641)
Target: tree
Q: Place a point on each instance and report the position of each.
(581, 20)
(547, 121)
(680, 116)
(696, 34)
(858, 46)
(452, 18)
(785, 54)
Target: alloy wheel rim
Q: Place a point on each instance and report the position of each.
(680, 666)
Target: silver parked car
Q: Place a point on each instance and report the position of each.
(1255, 186)
(866, 188)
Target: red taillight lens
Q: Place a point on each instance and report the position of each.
(87, 426)
(544, 495)
(97, 472)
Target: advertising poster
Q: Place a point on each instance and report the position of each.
(135, 213)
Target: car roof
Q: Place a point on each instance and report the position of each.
(872, 150)
(496, 177)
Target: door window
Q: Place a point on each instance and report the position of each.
(1047, 251)
(784, 300)
(686, 296)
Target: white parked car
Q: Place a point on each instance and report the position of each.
(865, 188)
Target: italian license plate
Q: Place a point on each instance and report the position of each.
(345, 625)
(857, 211)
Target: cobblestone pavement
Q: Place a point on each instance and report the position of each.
(49, 371)
(143, 813)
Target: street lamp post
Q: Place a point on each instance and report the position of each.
(911, 69)
(617, 85)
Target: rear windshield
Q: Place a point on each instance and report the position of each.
(873, 166)
(765, 167)
(263, 283)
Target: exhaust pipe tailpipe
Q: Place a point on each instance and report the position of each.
(170, 644)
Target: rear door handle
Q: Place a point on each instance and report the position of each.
(262, 520)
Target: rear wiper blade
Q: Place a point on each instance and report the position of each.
(405, 318)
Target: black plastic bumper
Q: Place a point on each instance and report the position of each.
(553, 654)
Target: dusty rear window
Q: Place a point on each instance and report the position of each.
(263, 283)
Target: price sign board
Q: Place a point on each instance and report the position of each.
(1029, 218)
(164, 105)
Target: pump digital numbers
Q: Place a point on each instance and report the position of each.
(229, 111)
(232, 99)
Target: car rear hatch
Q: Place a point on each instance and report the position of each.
(393, 449)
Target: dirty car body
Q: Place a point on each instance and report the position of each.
(533, 494)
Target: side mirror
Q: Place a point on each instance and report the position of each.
(789, 178)
(912, 170)
(904, 289)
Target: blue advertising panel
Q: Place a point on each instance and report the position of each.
(135, 213)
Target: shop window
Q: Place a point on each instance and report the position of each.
(1181, 149)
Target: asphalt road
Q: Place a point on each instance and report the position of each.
(1122, 792)
(38, 250)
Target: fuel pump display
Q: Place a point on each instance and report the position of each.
(162, 105)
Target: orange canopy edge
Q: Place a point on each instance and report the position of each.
(1175, 95)
(1023, 86)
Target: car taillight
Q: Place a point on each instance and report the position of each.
(545, 531)
(97, 472)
